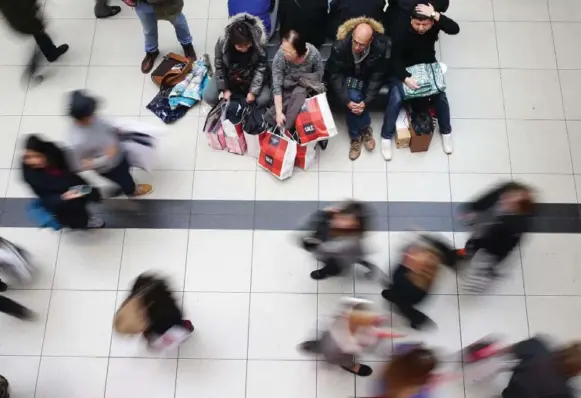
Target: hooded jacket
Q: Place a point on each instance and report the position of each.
(258, 62)
(341, 64)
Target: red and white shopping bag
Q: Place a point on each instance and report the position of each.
(315, 121)
(253, 142)
(213, 127)
(235, 141)
(277, 155)
(306, 154)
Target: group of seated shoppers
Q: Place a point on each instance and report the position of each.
(372, 48)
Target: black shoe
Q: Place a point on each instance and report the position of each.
(363, 371)
(60, 50)
(111, 12)
(386, 294)
(311, 346)
(318, 275)
(189, 51)
(3, 286)
(148, 61)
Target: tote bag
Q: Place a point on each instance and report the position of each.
(315, 121)
(213, 127)
(306, 154)
(430, 79)
(277, 155)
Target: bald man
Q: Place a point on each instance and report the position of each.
(355, 71)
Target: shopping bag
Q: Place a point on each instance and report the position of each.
(139, 141)
(253, 142)
(234, 136)
(277, 154)
(254, 129)
(315, 121)
(306, 154)
(213, 127)
(171, 339)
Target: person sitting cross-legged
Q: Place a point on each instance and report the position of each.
(355, 71)
(417, 46)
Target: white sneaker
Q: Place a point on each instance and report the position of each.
(386, 148)
(95, 222)
(447, 143)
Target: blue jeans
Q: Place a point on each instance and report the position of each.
(148, 19)
(356, 123)
(395, 103)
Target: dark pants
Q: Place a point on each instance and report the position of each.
(12, 308)
(73, 213)
(333, 267)
(395, 103)
(405, 298)
(356, 123)
(46, 45)
(121, 176)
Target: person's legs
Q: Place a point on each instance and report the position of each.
(264, 99)
(122, 177)
(212, 94)
(405, 305)
(394, 105)
(443, 114)
(47, 47)
(358, 127)
(332, 268)
(104, 10)
(180, 24)
(12, 308)
(148, 20)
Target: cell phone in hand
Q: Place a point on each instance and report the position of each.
(82, 189)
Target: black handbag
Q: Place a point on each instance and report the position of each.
(254, 122)
(159, 105)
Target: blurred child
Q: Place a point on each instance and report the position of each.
(152, 310)
(337, 239)
(354, 329)
(499, 219)
(413, 278)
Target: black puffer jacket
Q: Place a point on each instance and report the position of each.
(22, 16)
(258, 64)
(341, 64)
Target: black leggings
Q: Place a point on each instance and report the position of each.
(121, 176)
(11, 307)
(405, 297)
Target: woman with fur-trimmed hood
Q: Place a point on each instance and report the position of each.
(241, 63)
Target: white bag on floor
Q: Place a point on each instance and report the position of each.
(139, 141)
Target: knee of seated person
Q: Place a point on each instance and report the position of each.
(211, 98)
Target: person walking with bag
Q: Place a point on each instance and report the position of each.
(95, 146)
(149, 12)
(241, 63)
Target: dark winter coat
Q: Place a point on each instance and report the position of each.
(166, 9)
(309, 17)
(22, 15)
(341, 63)
(258, 63)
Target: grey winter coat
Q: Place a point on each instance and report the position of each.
(258, 64)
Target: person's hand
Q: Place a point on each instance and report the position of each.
(411, 83)
(71, 194)
(227, 94)
(250, 98)
(280, 119)
(425, 10)
(352, 106)
(87, 164)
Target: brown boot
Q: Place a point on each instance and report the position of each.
(367, 137)
(148, 61)
(189, 51)
(142, 189)
(355, 149)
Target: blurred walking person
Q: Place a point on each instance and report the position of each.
(96, 146)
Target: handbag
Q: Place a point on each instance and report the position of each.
(159, 105)
(315, 121)
(173, 69)
(430, 79)
(277, 154)
(213, 127)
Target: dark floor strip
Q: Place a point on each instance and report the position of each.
(285, 215)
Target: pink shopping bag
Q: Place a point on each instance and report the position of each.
(213, 127)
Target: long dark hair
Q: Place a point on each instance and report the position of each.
(297, 41)
(55, 157)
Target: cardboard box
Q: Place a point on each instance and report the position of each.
(402, 131)
(419, 143)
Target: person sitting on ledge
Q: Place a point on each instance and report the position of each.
(417, 46)
(355, 71)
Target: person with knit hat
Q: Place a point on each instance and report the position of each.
(95, 145)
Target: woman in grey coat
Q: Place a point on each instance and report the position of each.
(241, 63)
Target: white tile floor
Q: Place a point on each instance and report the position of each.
(514, 78)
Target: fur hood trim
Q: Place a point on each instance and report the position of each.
(256, 28)
(349, 25)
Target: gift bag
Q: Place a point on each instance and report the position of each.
(315, 121)
(234, 136)
(213, 127)
(277, 154)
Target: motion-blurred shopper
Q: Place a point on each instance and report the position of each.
(336, 238)
(415, 275)
(95, 145)
(352, 330)
(152, 310)
(499, 220)
(61, 192)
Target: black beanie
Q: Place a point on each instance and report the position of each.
(81, 105)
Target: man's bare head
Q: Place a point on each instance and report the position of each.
(362, 36)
